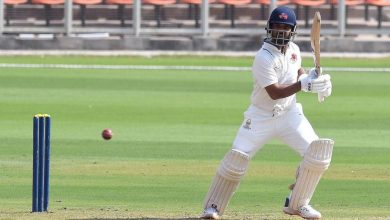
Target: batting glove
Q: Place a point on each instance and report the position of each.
(316, 85)
(326, 93)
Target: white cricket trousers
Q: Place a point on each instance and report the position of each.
(258, 127)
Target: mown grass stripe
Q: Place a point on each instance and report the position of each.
(160, 67)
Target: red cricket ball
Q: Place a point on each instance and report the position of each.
(107, 134)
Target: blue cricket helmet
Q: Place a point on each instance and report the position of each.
(281, 15)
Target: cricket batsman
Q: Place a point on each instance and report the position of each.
(275, 113)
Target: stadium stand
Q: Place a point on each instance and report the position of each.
(232, 4)
(379, 4)
(121, 8)
(83, 7)
(137, 30)
(348, 3)
(263, 3)
(194, 4)
(9, 8)
(307, 4)
(158, 8)
(47, 5)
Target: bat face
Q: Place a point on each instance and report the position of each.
(315, 40)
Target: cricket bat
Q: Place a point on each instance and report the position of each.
(315, 45)
(315, 41)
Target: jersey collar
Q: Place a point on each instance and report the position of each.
(272, 47)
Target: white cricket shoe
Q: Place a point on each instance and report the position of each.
(306, 212)
(210, 213)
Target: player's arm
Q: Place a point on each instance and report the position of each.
(306, 82)
(279, 91)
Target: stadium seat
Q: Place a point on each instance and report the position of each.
(307, 4)
(267, 2)
(232, 4)
(10, 6)
(348, 3)
(83, 7)
(48, 4)
(157, 8)
(121, 8)
(196, 4)
(379, 4)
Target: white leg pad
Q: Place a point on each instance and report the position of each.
(315, 162)
(232, 168)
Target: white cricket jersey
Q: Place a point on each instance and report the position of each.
(270, 66)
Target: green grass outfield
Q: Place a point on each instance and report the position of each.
(171, 129)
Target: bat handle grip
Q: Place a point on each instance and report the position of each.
(318, 70)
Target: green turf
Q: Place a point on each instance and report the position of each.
(171, 129)
(187, 60)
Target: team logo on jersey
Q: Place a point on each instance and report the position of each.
(247, 124)
(294, 58)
